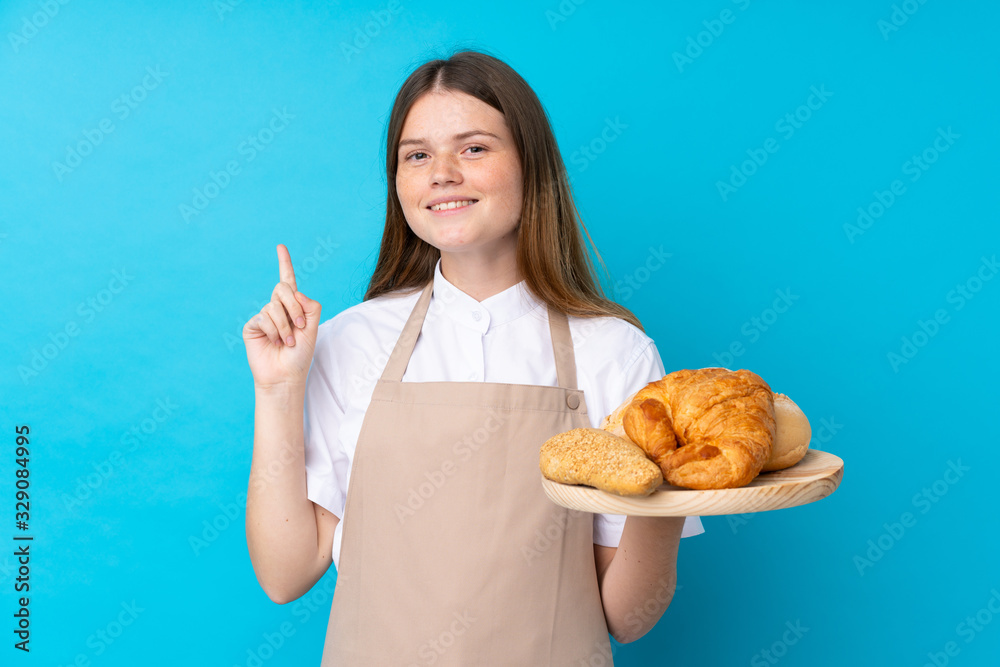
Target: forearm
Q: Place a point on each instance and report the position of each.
(280, 522)
(638, 585)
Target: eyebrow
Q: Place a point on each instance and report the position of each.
(457, 137)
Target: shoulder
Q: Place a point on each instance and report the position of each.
(382, 311)
(361, 329)
(614, 358)
(609, 340)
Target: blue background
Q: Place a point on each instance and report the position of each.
(114, 515)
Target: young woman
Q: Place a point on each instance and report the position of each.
(400, 438)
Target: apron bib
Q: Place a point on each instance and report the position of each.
(451, 554)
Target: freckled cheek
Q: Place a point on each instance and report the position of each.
(500, 180)
(406, 193)
(513, 195)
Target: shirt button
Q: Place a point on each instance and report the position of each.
(476, 315)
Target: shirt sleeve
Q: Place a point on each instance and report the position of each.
(646, 367)
(326, 462)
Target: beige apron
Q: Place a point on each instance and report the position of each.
(451, 552)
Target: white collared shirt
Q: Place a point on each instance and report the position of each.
(504, 338)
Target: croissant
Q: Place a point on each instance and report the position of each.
(710, 428)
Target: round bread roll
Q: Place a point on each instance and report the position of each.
(792, 434)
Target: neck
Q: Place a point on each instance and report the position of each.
(480, 276)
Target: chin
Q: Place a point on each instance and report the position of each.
(452, 246)
(447, 237)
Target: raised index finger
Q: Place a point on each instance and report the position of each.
(285, 271)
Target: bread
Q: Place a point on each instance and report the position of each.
(613, 422)
(791, 437)
(710, 428)
(600, 459)
(792, 434)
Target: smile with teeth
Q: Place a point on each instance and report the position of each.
(453, 204)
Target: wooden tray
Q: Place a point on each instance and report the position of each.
(813, 478)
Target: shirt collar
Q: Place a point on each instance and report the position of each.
(498, 309)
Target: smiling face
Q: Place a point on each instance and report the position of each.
(456, 148)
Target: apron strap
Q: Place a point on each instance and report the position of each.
(562, 346)
(400, 357)
(562, 343)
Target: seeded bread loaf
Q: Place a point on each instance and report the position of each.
(600, 459)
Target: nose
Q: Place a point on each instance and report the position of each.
(447, 169)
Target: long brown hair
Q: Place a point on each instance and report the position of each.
(551, 254)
